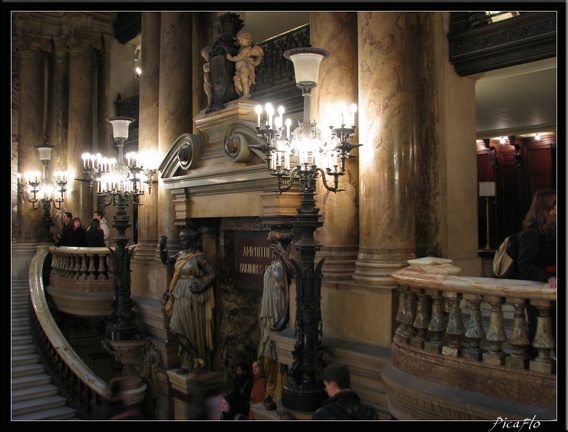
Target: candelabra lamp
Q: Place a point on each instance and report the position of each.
(301, 158)
(43, 192)
(120, 182)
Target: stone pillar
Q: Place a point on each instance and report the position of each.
(80, 126)
(407, 95)
(337, 33)
(31, 128)
(386, 127)
(175, 104)
(148, 141)
(59, 98)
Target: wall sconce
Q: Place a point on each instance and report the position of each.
(44, 192)
(303, 156)
(487, 189)
(537, 136)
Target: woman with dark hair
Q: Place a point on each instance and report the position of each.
(78, 234)
(95, 235)
(231, 409)
(536, 253)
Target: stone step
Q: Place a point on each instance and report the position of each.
(60, 413)
(22, 339)
(33, 392)
(25, 359)
(31, 380)
(28, 369)
(38, 404)
(21, 330)
(23, 348)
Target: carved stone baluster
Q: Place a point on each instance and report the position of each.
(474, 332)
(68, 267)
(422, 319)
(543, 340)
(437, 324)
(405, 316)
(496, 332)
(518, 340)
(454, 328)
(91, 269)
(83, 269)
(102, 267)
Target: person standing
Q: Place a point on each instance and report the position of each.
(258, 386)
(78, 234)
(231, 409)
(98, 214)
(243, 384)
(343, 403)
(63, 235)
(274, 312)
(190, 301)
(536, 253)
(95, 235)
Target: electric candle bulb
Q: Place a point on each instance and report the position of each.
(258, 110)
(353, 111)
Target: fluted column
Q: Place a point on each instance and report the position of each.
(80, 126)
(337, 33)
(175, 104)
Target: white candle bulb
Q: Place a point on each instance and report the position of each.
(353, 111)
(258, 110)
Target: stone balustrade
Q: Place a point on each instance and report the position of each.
(470, 333)
(81, 281)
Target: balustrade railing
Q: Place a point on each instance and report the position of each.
(475, 328)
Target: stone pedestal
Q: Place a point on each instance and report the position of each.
(184, 386)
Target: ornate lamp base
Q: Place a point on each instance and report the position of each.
(302, 396)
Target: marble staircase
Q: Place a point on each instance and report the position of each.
(34, 397)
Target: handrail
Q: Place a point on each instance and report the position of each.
(87, 389)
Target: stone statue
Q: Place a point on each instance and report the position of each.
(207, 81)
(274, 312)
(247, 59)
(190, 301)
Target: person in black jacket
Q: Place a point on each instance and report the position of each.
(63, 235)
(243, 384)
(95, 235)
(536, 253)
(342, 404)
(231, 408)
(78, 234)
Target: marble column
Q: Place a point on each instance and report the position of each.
(30, 126)
(387, 88)
(339, 236)
(59, 97)
(148, 139)
(175, 102)
(82, 47)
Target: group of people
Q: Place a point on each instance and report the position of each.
(73, 233)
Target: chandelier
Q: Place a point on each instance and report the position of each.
(301, 157)
(42, 191)
(124, 178)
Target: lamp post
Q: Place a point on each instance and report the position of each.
(312, 155)
(44, 192)
(120, 182)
